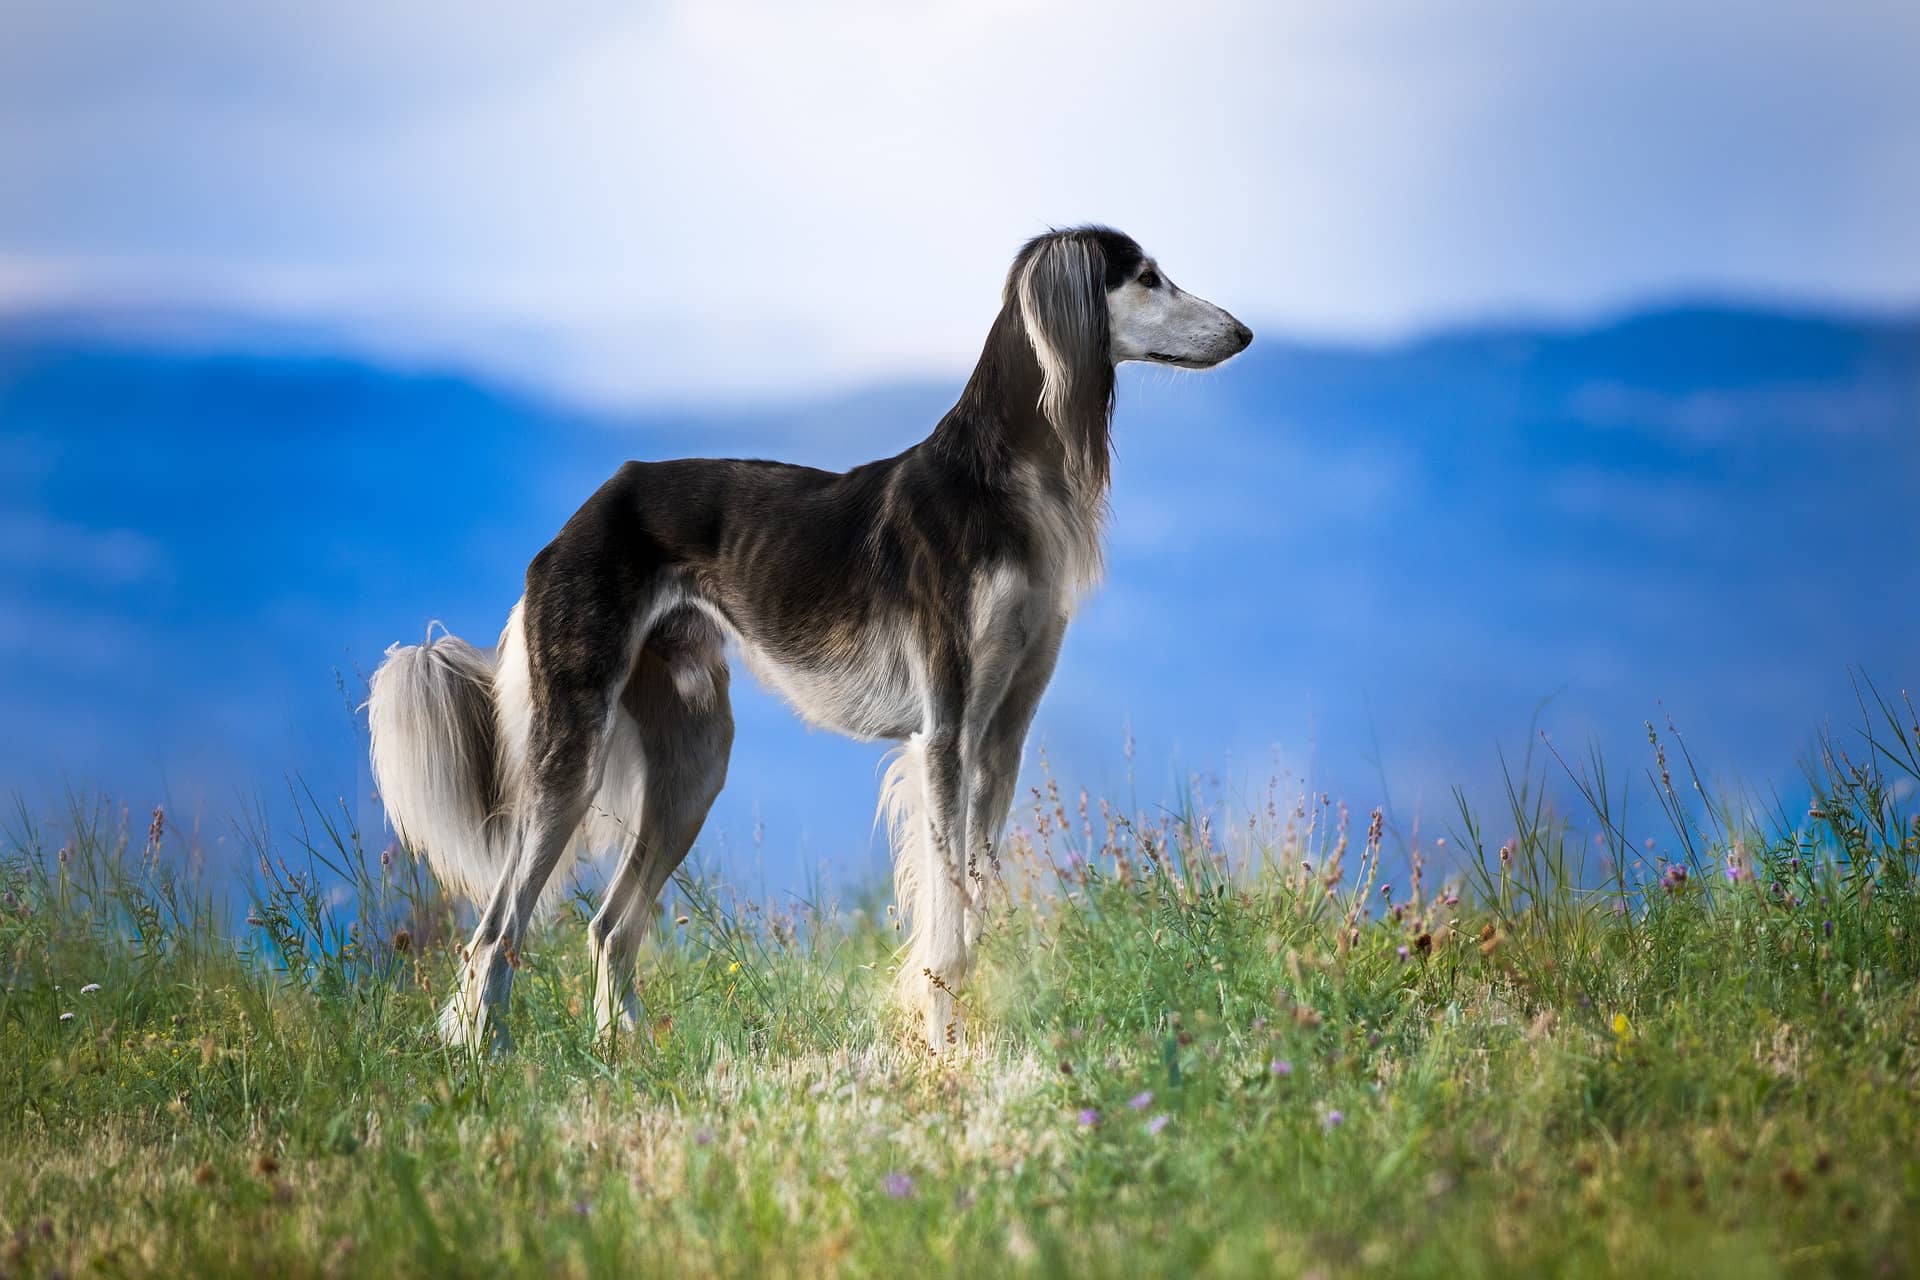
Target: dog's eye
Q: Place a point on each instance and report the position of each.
(1148, 279)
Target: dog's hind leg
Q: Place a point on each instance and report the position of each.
(678, 701)
(590, 602)
(554, 805)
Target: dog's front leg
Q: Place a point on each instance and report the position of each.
(939, 958)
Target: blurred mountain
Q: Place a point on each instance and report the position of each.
(1362, 565)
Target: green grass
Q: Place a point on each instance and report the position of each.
(1188, 1052)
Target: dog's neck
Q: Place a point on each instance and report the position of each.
(998, 422)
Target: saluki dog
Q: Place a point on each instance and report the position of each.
(921, 599)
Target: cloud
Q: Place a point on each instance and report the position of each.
(726, 198)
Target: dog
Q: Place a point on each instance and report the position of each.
(919, 599)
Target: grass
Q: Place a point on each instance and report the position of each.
(1232, 1048)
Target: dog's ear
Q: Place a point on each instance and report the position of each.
(1062, 294)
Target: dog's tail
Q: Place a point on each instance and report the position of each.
(449, 726)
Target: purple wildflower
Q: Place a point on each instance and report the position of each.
(1333, 1121)
(1280, 1067)
(1402, 951)
(703, 1137)
(1141, 1101)
(1159, 1122)
(899, 1186)
(1089, 1118)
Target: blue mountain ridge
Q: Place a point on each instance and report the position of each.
(1364, 566)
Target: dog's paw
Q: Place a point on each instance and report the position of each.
(481, 1033)
(628, 1022)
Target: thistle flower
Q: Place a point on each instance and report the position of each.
(1333, 1120)
(1280, 1067)
(899, 1186)
(1402, 951)
(1159, 1122)
(1089, 1118)
(1141, 1101)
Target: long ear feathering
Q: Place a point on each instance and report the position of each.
(1059, 283)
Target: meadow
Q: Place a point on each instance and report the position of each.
(1244, 1036)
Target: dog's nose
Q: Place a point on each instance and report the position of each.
(1242, 336)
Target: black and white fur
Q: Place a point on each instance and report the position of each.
(920, 599)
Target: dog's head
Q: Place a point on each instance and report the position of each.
(1091, 296)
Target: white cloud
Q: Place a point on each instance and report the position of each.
(710, 197)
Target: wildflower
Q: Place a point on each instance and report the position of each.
(582, 1208)
(1452, 899)
(1089, 1118)
(67, 1016)
(386, 855)
(1827, 927)
(703, 1137)
(1402, 951)
(1141, 1101)
(1159, 1122)
(89, 989)
(1280, 1067)
(1673, 877)
(1333, 1120)
(899, 1186)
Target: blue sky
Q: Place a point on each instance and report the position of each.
(264, 270)
(704, 199)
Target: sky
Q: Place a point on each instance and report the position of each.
(691, 201)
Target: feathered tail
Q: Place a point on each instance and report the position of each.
(449, 728)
